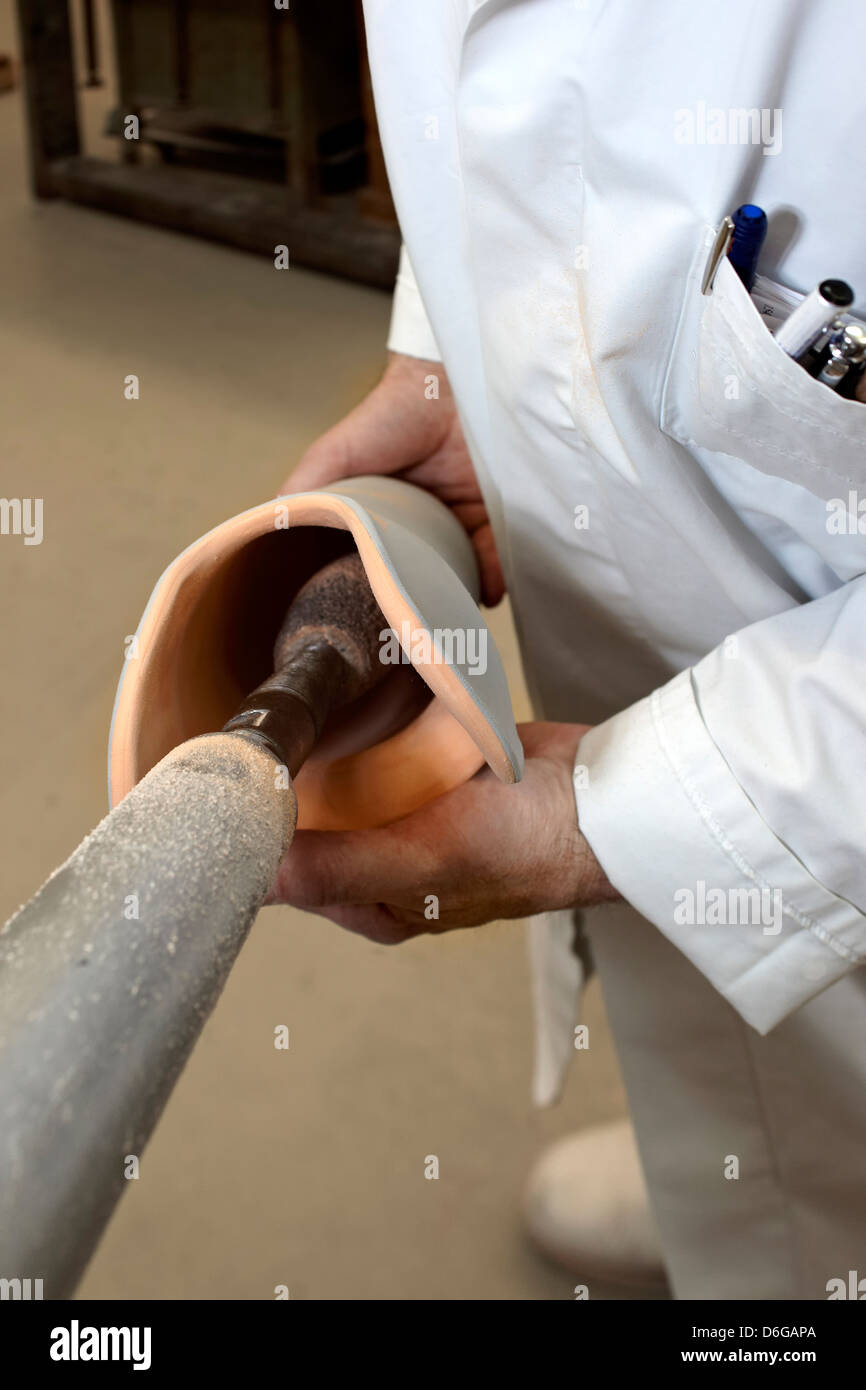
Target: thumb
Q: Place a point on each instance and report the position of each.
(375, 437)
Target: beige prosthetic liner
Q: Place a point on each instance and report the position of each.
(207, 636)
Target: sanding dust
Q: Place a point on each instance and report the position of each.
(107, 977)
(198, 840)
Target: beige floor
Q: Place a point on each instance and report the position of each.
(302, 1168)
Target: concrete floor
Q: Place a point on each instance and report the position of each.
(303, 1168)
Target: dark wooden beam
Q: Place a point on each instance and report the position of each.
(91, 44)
(250, 215)
(375, 197)
(49, 79)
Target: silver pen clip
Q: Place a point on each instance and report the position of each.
(717, 253)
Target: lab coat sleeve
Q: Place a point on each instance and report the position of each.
(410, 330)
(729, 807)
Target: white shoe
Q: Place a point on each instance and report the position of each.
(586, 1207)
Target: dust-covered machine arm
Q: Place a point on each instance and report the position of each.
(108, 975)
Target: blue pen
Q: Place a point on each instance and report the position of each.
(750, 230)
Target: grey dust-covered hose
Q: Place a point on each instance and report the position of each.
(106, 979)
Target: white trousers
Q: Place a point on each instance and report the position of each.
(705, 1089)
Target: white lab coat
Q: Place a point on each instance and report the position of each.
(663, 484)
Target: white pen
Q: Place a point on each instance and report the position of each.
(813, 316)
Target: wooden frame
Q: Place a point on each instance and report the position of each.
(245, 213)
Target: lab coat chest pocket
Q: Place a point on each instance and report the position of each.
(731, 389)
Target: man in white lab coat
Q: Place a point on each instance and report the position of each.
(677, 510)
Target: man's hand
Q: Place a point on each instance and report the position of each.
(397, 430)
(482, 852)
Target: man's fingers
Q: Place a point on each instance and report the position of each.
(492, 578)
(377, 923)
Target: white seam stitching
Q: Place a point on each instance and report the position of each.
(765, 444)
(848, 437)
